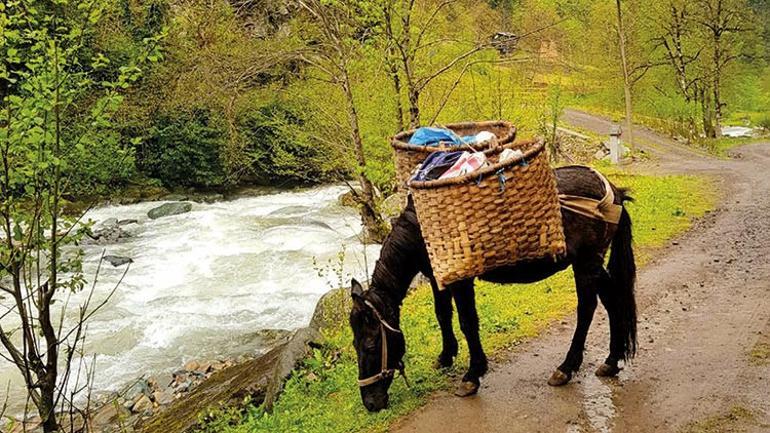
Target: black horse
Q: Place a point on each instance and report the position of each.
(375, 315)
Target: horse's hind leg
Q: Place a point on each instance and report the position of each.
(588, 277)
(465, 302)
(442, 303)
(617, 346)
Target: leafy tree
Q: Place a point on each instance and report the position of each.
(723, 22)
(410, 37)
(340, 32)
(52, 108)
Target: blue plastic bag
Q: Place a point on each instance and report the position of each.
(430, 136)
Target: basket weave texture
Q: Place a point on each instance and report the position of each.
(475, 223)
(409, 155)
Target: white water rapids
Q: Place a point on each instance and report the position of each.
(204, 282)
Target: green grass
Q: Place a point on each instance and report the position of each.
(322, 395)
(721, 146)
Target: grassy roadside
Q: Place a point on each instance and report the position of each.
(322, 396)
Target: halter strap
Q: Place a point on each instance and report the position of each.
(385, 372)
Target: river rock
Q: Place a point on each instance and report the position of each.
(162, 398)
(268, 336)
(73, 423)
(348, 199)
(118, 260)
(169, 209)
(175, 197)
(142, 405)
(133, 391)
(108, 415)
(31, 425)
(129, 221)
(212, 197)
(332, 308)
(107, 232)
(109, 222)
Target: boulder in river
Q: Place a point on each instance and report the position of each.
(117, 260)
(106, 232)
(168, 209)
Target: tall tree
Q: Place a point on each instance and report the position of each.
(341, 30)
(626, 78)
(408, 39)
(723, 21)
(675, 35)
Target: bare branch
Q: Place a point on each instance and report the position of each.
(426, 80)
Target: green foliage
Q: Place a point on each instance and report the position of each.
(322, 396)
(183, 149)
(281, 145)
(57, 103)
(101, 168)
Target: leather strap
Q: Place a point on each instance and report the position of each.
(385, 372)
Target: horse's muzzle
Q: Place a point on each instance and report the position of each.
(376, 403)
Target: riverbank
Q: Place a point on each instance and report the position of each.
(321, 396)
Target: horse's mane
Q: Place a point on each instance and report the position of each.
(400, 259)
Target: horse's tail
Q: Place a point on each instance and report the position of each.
(622, 270)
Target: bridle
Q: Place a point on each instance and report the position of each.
(385, 372)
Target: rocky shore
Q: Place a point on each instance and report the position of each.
(173, 403)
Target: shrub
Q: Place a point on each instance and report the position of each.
(764, 123)
(98, 166)
(183, 149)
(281, 143)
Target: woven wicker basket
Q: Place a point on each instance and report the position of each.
(493, 217)
(409, 155)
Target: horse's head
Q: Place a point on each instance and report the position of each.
(379, 344)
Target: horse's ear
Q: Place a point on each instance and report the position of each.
(356, 290)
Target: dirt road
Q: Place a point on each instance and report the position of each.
(704, 329)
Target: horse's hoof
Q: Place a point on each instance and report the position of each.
(607, 370)
(559, 378)
(466, 389)
(442, 363)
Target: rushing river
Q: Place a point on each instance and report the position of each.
(203, 283)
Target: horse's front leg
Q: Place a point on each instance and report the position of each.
(588, 277)
(465, 302)
(442, 303)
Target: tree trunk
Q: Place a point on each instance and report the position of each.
(705, 101)
(371, 218)
(626, 83)
(46, 410)
(716, 87)
(414, 108)
(399, 109)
